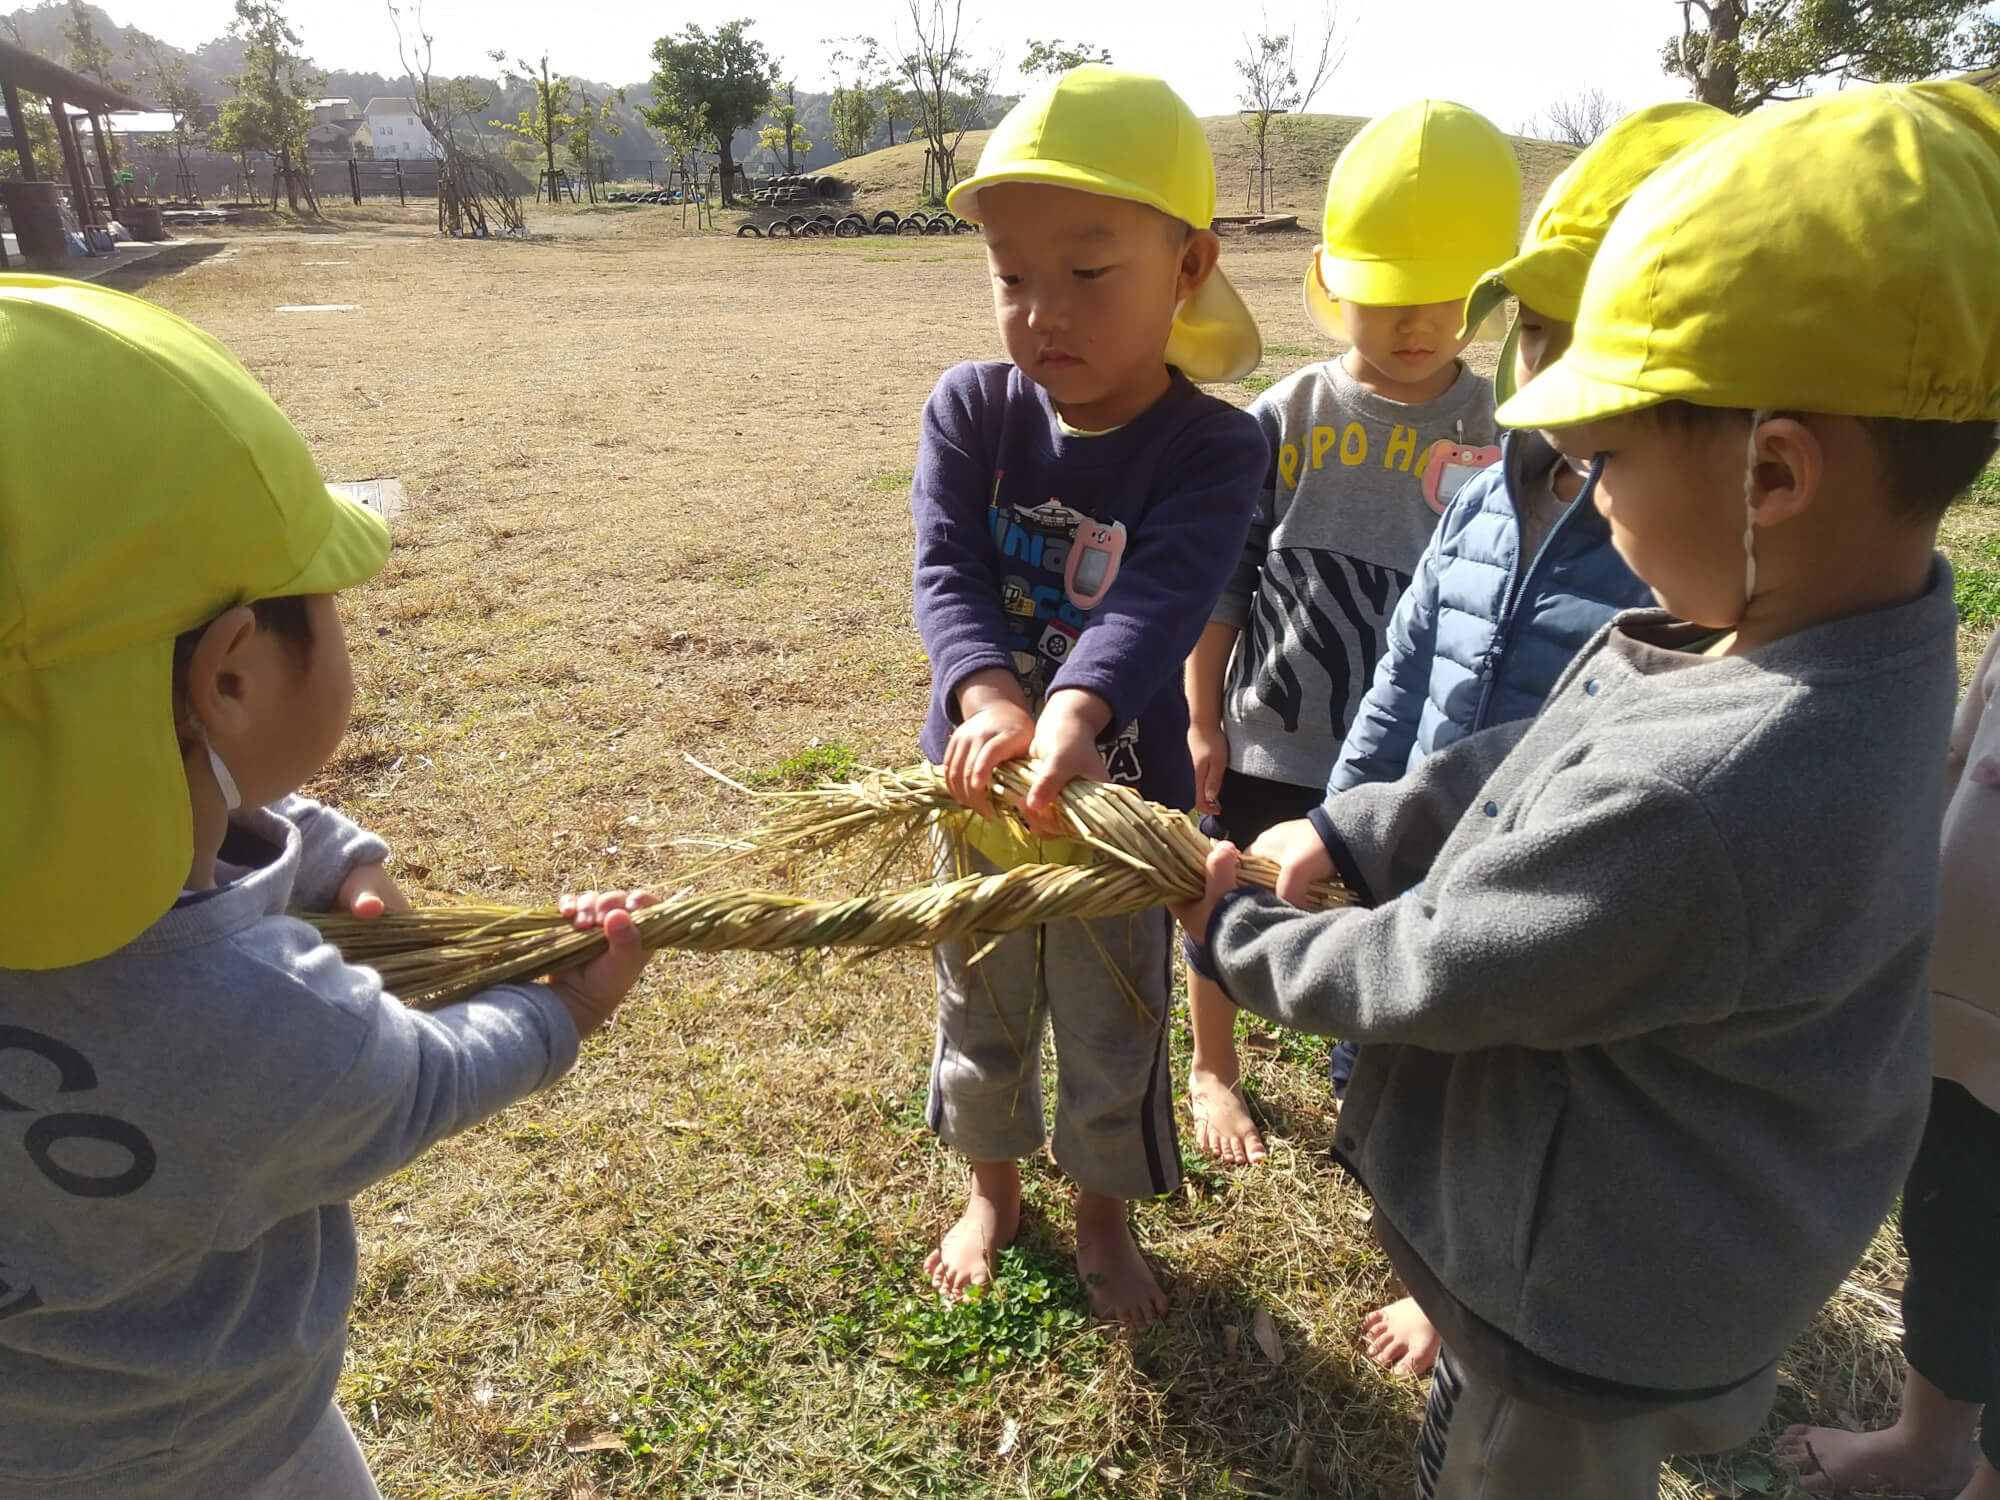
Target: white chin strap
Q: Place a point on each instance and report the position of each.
(232, 798)
(1757, 420)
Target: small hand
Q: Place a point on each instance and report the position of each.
(1300, 855)
(1064, 749)
(368, 891)
(1209, 745)
(986, 740)
(1194, 916)
(593, 992)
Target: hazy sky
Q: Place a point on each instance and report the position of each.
(1504, 57)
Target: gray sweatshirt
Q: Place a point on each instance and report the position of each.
(1353, 493)
(181, 1126)
(1644, 990)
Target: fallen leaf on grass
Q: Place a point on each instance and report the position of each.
(1265, 1332)
(601, 1441)
(1261, 1041)
(1231, 1335)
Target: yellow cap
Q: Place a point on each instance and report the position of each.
(147, 484)
(1834, 255)
(1422, 202)
(1576, 213)
(1125, 135)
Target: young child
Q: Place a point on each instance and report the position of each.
(1642, 983)
(1077, 511)
(1366, 450)
(1521, 571)
(192, 1084)
(1951, 1203)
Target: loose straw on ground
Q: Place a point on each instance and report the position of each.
(1143, 855)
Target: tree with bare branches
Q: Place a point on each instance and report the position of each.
(475, 197)
(1575, 120)
(1272, 86)
(950, 86)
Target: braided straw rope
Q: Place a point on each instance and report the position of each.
(1145, 855)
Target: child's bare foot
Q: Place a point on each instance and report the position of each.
(964, 1257)
(1833, 1461)
(1222, 1124)
(1401, 1338)
(1121, 1284)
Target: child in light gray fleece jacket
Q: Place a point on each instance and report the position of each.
(1643, 984)
(193, 1084)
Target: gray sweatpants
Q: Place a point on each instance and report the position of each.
(1479, 1443)
(1105, 988)
(328, 1466)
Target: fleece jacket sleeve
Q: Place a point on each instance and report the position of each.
(1139, 636)
(1232, 606)
(408, 1079)
(1611, 909)
(330, 846)
(957, 589)
(1383, 836)
(1378, 743)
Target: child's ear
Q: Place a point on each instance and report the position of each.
(1198, 258)
(216, 674)
(1789, 472)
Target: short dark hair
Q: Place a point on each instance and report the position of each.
(288, 619)
(1924, 465)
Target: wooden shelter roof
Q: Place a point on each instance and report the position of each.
(37, 75)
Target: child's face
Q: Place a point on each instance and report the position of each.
(1674, 499)
(1410, 348)
(1085, 289)
(274, 712)
(1539, 342)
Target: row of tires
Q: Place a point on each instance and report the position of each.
(658, 195)
(853, 226)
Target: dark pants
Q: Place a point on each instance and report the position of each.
(1951, 1229)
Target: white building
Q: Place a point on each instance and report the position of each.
(391, 128)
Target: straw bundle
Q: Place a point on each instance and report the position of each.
(1143, 855)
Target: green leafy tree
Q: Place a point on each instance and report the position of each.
(271, 108)
(784, 133)
(164, 76)
(549, 119)
(726, 75)
(594, 121)
(1056, 57)
(1738, 54)
(89, 54)
(854, 116)
(686, 136)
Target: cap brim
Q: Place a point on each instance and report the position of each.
(92, 768)
(1562, 396)
(1486, 297)
(1381, 283)
(1214, 336)
(963, 200)
(355, 547)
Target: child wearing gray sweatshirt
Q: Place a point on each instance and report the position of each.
(192, 1083)
(1643, 983)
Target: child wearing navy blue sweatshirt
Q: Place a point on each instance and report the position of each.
(1078, 510)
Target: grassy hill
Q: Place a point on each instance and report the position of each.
(1302, 150)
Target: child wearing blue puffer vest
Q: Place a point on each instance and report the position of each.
(1521, 571)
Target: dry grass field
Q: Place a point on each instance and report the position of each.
(658, 511)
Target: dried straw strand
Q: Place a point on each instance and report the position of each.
(1147, 855)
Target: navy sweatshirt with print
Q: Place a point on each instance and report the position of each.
(1002, 487)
